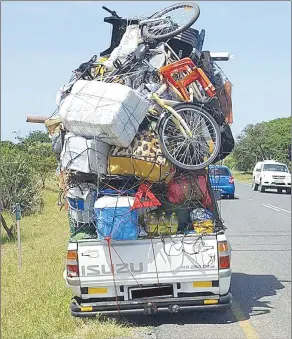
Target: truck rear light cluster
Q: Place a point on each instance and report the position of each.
(231, 180)
(224, 262)
(224, 255)
(72, 264)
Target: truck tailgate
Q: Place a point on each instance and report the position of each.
(147, 261)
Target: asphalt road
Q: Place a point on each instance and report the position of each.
(259, 229)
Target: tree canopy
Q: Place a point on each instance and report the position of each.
(25, 166)
(265, 140)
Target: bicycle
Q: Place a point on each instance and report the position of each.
(189, 136)
(155, 28)
(160, 26)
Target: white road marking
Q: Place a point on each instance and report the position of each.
(272, 208)
(276, 208)
(279, 208)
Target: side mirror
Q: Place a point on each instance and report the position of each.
(217, 195)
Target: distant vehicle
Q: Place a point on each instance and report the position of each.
(270, 174)
(222, 180)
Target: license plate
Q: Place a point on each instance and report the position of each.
(277, 181)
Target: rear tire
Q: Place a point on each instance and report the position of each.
(279, 190)
(168, 133)
(288, 191)
(231, 196)
(148, 35)
(255, 186)
(262, 188)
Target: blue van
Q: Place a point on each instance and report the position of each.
(222, 180)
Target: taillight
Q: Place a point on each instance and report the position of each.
(72, 255)
(72, 264)
(72, 271)
(224, 255)
(224, 262)
(231, 180)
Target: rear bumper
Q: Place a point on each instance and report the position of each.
(225, 189)
(275, 186)
(151, 306)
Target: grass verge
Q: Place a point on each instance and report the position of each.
(245, 177)
(35, 299)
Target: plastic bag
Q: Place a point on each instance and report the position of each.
(128, 44)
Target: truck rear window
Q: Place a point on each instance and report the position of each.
(275, 168)
(219, 172)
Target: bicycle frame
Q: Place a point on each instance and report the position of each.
(167, 105)
(150, 21)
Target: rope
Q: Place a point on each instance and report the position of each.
(157, 276)
(108, 239)
(127, 267)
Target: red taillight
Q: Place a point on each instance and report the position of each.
(72, 271)
(72, 264)
(224, 255)
(231, 180)
(224, 262)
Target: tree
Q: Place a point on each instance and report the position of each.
(37, 146)
(19, 184)
(34, 137)
(43, 159)
(230, 162)
(265, 140)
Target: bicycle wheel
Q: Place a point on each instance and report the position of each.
(194, 152)
(178, 18)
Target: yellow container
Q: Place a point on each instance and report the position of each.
(161, 225)
(141, 168)
(206, 226)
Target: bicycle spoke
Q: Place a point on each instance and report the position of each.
(173, 19)
(196, 150)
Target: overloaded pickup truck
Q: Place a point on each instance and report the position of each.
(178, 273)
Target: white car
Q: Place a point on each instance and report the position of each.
(269, 174)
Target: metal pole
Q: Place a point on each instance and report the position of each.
(18, 217)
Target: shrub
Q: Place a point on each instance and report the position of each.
(19, 183)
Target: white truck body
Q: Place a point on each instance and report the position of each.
(149, 275)
(270, 174)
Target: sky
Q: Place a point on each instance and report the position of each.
(43, 41)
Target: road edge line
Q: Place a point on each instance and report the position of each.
(246, 326)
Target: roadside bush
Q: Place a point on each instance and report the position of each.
(19, 184)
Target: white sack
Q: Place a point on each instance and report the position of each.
(128, 44)
(111, 112)
(87, 156)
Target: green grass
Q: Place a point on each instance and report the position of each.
(35, 299)
(242, 176)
